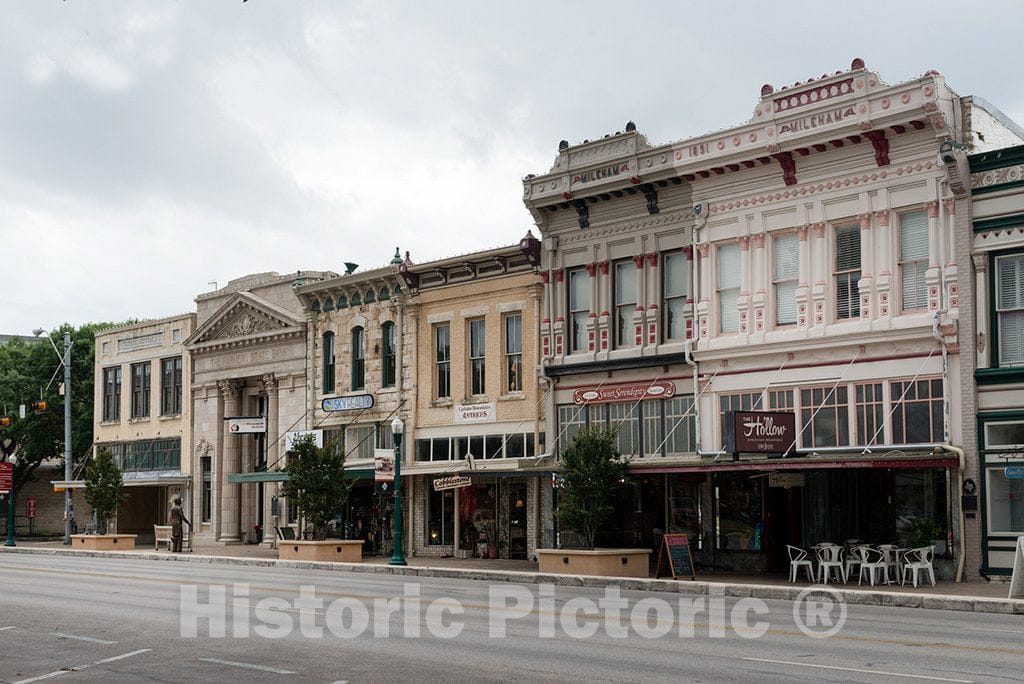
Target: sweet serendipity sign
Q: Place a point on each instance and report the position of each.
(612, 393)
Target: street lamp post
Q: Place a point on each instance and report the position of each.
(12, 459)
(397, 554)
(65, 359)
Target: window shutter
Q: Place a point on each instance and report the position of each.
(787, 269)
(728, 286)
(848, 248)
(728, 310)
(913, 287)
(1011, 338)
(914, 236)
(1011, 282)
(1010, 304)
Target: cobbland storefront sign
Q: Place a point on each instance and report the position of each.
(455, 482)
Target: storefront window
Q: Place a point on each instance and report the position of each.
(823, 417)
(917, 418)
(684, 508)
(571, 419)
(1005, 502)
(922, 511)
(739, 525)
(654, 433)
(870, 413)
(440, 517)
(626, 417)
(478, 527)
(680, 422)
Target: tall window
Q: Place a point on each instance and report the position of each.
(728, 288)
(170, 386)
(571, 419)
(206, 498)
(141, 389)
(358, 358)
(477, 356)
(579, 309)
(870, 413)
(914, 260)
(360, 441)
(673, 298)
(329, 362)
(787, 270)
(847, 272)
(824, 416)
(443, 359)
(390, 365)
(917, 418)
(626, 417)
(112, 393)
(625, 302)
(1009, 273)
(514, 353)
(440, 517)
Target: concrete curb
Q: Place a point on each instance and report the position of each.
(865, 597)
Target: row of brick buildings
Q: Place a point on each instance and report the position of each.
(818, 261)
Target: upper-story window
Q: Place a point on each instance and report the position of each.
(786, 273)
(390, 365)
(329, 362)
(477, 356)
(443, 359)
(170, 386)
(514, 352)
(914, 260)
(141, 389)
(728, 281)
(1009, 274)
(358, 358)
(579, 309)
(112, 393)
(625, 302)
(847, 272)
(673, 299)
(824, 416)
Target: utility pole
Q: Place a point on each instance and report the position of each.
(67, 438)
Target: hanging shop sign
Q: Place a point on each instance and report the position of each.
(246, 424)
(355, 402)
(613, 393)
(786, 480)
(454, 482)
(383, 465)
(291, 437)
(6, 477)
(1014, 472)
(760, 432)
(475, 413)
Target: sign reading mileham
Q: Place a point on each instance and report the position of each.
(610, 393)
(760, 432)
(355, 402)
(246, 424)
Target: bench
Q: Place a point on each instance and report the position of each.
(162, 533)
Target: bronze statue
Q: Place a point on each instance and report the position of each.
(177, 517)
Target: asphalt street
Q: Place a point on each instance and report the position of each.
(92, 619)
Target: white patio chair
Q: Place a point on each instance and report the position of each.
(871, 560)
(798, 559)
(852, 560)
(918, 561)
(829, 558)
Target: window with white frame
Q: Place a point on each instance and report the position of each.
(673, 294)
(571, 419)
(1005, 498)
(824, 417)
(787, 272)
(477, 356)
(846, 273)
(913, 260)
(728, 282)
(443, 360)
(1007, 435)
(680, 426)
(579, 309)
(1009, 274)
(625, 416)
(625, 302)
(360, 441)
(514, 352)
(870, 413)
(917, 411)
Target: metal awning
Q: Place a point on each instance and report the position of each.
(145, 478)
(806, 463)
(281, 476)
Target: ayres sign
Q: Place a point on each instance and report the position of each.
(760, 432)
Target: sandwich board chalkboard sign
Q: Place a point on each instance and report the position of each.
(674, 557)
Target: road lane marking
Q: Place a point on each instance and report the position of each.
(854, 669)
(58, 673)
(4, 629)
(62, 635)
(248, 666)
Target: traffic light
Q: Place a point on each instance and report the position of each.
(5, 421)
(38, 406)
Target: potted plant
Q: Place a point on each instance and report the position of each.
(592, 471)
(103, 492)
(926, 532)
(317, 482)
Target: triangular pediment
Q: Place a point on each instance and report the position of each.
(246, 317)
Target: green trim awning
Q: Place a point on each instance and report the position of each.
(281, 476)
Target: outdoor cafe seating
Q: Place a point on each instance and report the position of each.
(882, 563)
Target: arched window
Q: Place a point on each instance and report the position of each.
(385, 294)
(356, 301)
(328, 375)
(369, 297)
(358, 359)
(342, 302)
(387, 332)
(315, 306)
(328, 304)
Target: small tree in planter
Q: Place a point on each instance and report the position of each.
(592, 473)
(317, 483)
(103, 484)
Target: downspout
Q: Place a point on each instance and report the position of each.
(699, 222)
(957, 450)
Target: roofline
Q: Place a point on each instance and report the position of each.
(144, 323)
(998, 114)
(381, 272)
(513, 249)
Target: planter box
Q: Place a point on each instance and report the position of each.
(103, 542)
(332, 550)
(603, 562)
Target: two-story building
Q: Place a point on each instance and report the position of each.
(823, 285)
(477, 475)
(142, 415)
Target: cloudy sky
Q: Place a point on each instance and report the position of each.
(148, 148)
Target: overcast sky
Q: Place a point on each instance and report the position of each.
(148, 148)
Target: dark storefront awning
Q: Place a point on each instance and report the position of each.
(806, 463)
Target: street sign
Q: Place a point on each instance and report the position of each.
(1014, 472)
(246, 424)
(6, 477)
(355, 402)
(30, 507)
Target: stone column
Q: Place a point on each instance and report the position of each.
(867, 261)
(803, 285)
(230, 494)
(981, 305)
(820, 289)
(887, 256)
(743, 302)
(703, 304)
(268, 384)
(759, 271)
(933, 274)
